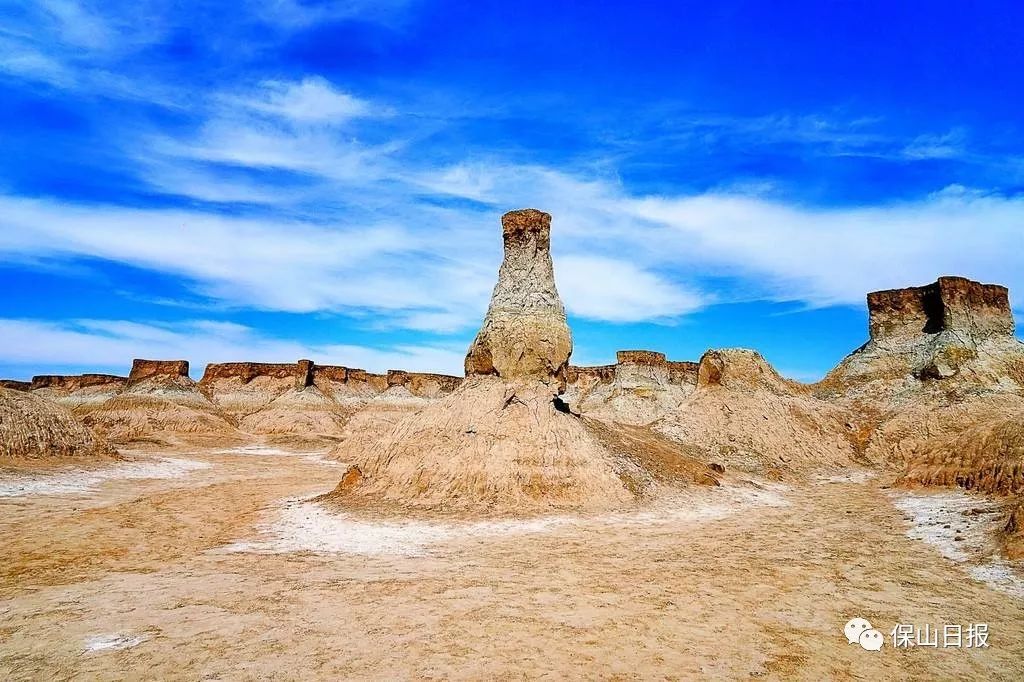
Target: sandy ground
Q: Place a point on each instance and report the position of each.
(217, 569)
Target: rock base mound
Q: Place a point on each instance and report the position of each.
(35, 428)
(496, 446)
(305, 413)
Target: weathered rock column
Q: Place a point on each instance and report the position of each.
(525, 333)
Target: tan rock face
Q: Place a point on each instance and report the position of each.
(71, 383)
(143, 370)
(640, 388)
(744, 415)
(952, 338)
(739, 368)
(949, 304)
(525, 333)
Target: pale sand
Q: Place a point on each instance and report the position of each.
(138, 583)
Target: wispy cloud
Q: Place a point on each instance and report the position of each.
(311, 100)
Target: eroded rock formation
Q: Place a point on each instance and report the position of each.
(525, 334)
(954, 336)
(640, 388)
(77, 390)
(504, 440)
(15, 385)
(159, 402)
(32, 427)
(744, 416)
(158, 371)
(938, 390)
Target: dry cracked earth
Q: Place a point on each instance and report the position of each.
(209, 565)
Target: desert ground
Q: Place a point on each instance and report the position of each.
(211, 564)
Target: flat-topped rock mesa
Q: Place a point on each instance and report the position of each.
(525, 333)
(641, 387)
(299, 374)
(159, 402)
(157, 370)
(743, 415)
(69, 383)
(930, 344)
(503, 440)
(951, 304)
(77, 391)
(253, 383)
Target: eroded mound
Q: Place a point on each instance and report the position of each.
(307, 413)
(32, 428)
(640, 388)
(505, 441)
(160, 403)
(496, 446)
(745, 416)
(976, 446)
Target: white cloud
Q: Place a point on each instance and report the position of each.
(311, 100)
(77, 24)
(603, 288)
(40, 346)
(23, 62)
(950, 145)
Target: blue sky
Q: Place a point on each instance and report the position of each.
(281, 179)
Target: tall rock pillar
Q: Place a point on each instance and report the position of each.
(525, 334)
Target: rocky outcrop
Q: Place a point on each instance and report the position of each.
(244, 387)
(157, 370)
(309, 402)
(503, 440)
(931, 344)
(77, 391)
(525, 334)
(743, 415)
(640, 388)
(952, 304)
(15, 385)
(937, 392)
(32, 427)
(66, 384)
(159, 403)
(247, 372)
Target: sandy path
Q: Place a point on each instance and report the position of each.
(134, 582)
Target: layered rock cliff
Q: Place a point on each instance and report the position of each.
(932, 343)
(640, 388)
(77, 390)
